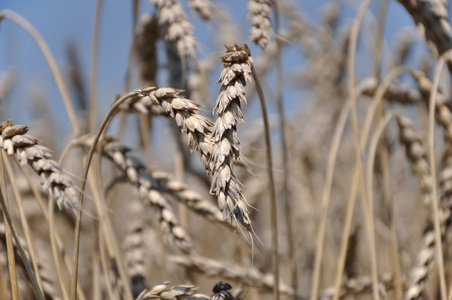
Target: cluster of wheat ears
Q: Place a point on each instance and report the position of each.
(157, 199)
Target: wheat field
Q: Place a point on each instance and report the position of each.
(246, 151)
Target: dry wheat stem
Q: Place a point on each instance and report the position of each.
(271, 186)
(259, 13)
(26, 149)
(19, 20)
(107, 119)
(436, 214)
(94, 68)
(9, 224)
(28, 245)
(47, 286)
(55, 239)
(377, 98)
(356, 141)
(282, 124)
(429, 243)
(349, 107)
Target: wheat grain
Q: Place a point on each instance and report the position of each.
(417, 155)
(27, 150)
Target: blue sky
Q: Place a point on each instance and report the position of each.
(62, 22)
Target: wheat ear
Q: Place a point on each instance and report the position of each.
(398, 93)
(417, 155)
(186, 115)
(177, 28)
(202, 7)
(356, 286)
(432, 18)
(229, 271)
(420, 166)
(135, 171)
(15, 142)
(163, 291)
(226, 145)
(134, 253)
(146, 37)
(259, 13)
